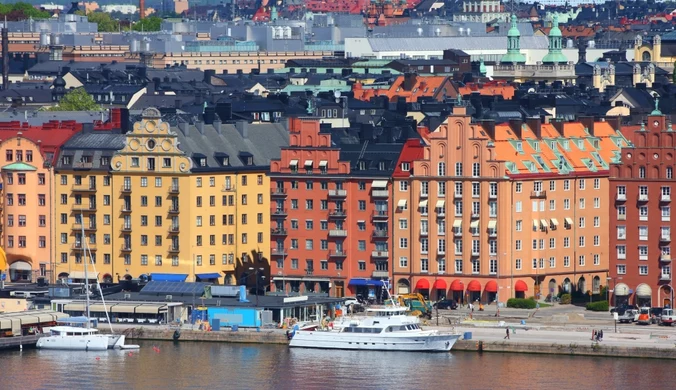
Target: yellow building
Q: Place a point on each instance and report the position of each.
(188, 203)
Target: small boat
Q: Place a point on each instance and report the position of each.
(387, 328)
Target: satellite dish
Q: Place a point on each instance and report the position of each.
(336, 94)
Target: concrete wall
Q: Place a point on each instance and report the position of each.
(224, 336)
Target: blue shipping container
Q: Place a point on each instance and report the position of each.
(248, 317)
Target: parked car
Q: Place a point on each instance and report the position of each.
(622, 308)
(629, 315)
(644, 316)
(350, 301)
(446, 304)
(667, 318)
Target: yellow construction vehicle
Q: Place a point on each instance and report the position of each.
(417, 304)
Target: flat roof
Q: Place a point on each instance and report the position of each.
(264, 301)
(15, 320)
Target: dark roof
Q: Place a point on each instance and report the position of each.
(96, 144)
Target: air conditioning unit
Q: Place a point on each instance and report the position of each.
(127, 296)
(168, 297)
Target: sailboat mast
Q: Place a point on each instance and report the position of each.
(86, 260)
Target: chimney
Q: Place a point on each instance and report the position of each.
(242, 128)
(183, 126)
(177, 103)
(409, 81)
(217, 126)
(614, 121)
(534, 125)
(200, 127)
(588, 122)
(142, 9)
(208, 74)
(558, 125)
(515, 125)
(5, 58)
(489, 127)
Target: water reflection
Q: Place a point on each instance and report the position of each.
(229, 366)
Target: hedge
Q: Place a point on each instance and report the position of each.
(565, 299)
(521, 303)
(598, 306)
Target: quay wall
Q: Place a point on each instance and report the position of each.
(587, 349)
(223, 336)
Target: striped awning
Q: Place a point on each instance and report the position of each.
(401, 204)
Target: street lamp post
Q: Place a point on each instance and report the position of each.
(338, 97)
(256, 271)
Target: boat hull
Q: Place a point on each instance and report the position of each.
(81, 343)
(366, 342)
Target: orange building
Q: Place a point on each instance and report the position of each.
(410, 86)
(512, 210)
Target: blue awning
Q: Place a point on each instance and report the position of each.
(365, 282)
(168, 277)
(215, 275)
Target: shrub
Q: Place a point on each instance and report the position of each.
(565, 299)
(521, 303)
(598, 306)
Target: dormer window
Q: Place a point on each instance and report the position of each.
(381, 166)
(361, 165)
(536, 146)
(105, 161)
(65, 160)
(519, 147)
(249, 160)
(226, 161)
(405, 166)
(203, 162)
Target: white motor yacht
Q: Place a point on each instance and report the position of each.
(383, 329)
(79, 339)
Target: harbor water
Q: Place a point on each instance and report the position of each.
(194, 365)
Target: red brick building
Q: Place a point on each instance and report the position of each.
(641, 225)
(330, 210)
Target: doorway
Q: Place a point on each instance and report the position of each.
(340, 289)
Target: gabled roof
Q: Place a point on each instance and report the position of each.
(19, 166)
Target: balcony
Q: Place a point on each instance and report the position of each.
(665, 258)
(82, 207)
(621, 256)
(665, 237)
(126, 227)
(475, 215)
(337, 233)
(174, 190)
(379, 214)
(621, 197)
(380, 254)
(279, 213)
(228, 188)
(337, 193)
(642, 197)
(492, 195)
(174, 249)
(538, 194)
(424, 195)
(278, 232)
(278, 193)
(441, 213)
(337, 214)
(83, 188)
(621, 217)
(278, 252)
(81, 165)
(424, 233)
(174, 229)
(337, 254)
(380, 193)
(126, 188)
(441, 251)
(381, 233)
(380, 274)
(457, 195)
(126, 209)
(665, 198)
(475, 253)
(79, 226)
(665, 277)
(174, 210)
(126, 248)
(492, 233)
(457, 232)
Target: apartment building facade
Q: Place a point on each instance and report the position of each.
(149, 201)
(331, 214)
(640, 229)
(500, 211)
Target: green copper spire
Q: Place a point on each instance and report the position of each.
(555, 56)
(273, 13)
(656, 111)
(513, 55)
(482, 66)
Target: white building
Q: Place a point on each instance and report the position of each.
(483, 11)
(122, 8)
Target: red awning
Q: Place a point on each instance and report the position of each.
(457, 286)
(474, 286)
(423, 284)
(491, 286)
(520, 286)
(440, 284)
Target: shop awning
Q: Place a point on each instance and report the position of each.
(214, 275)
(99, 308)
(535, 224)
(457, 285)
(308, 163)
(520, 286)
(543, 223)
(122, 308)
(474, 224)
(492, 224)
(644, 291)
(401, 204)
(440, 284)
(148, 309)
(569, 221)
(441, 204)
(293, 163)
(323, 163)
(423, 284)
(379, 184)
(74, 307)
(457, 223)
(491, 286)
(168, 277)
(555, 222)
(81, 275)
(423, 203)
(621, 290)
(474, 286)
(20, 266)
(365, 282)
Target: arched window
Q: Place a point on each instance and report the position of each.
(646, 56)
(441, 169)
(596, 285)
(581, 285)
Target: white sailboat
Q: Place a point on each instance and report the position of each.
(79, 338)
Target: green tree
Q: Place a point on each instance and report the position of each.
(152, 23)
(20, 11)
(104, 21)
(77, 100)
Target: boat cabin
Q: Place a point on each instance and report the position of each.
(71, 331)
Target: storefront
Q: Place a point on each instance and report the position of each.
(621, 293)
(20, 271)
(644, 295)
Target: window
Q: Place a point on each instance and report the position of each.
(519, 186)
(643, 270)
(403, 224)
(597, 184)
(621, 232)
(597, 259)
(403, 186)
(476, 169)
(566, 185)
(581, 260)
(581, 184)
(566, 204)
(424, 265)
(642, 233)
(403, 261)
(458, 169)
(582, 203)
(622, 269)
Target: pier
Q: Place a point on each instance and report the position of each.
(20, 342)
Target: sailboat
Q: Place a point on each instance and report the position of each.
(83, 338)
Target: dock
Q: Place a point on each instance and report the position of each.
(20, 342)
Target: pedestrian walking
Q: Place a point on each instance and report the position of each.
(600, 335)
(507, 335)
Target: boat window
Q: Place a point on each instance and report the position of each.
(402, 327)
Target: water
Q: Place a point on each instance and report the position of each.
(188, 365)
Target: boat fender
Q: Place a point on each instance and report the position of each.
(177, 334)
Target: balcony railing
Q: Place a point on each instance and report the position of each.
(620, 197)
(379, 214)
(174, 210)
(83, 207)
(457, 195)
(126, 209)
(126, 188)
(337, 214)
(492, 233)
(174, 190)
(174, 229)
(278, 252)
(279, 213)
(228, 188)
(665, 277)
(337, 253)
(665, 198)
(457, 232)
(78, 226)
(380, 233)
(337, 233)
(278, 192)
(424, 194)
(424, 233)
(380, 254)
(83, 188)
(665, 257)
(475, 215)
(621, 256)
(174, 249)
(125, 248)
(126, 227)
(380, 193)
(380, 274)
(538, 194)
(492, 195)
(278, 232)
(621, 217)
(665, 237)
(642, 197)
(337, 193)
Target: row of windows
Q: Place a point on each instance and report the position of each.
(642, 252)
(226, 239)
(665, 270)
(226, 259)
(42, 220)
(539, 244)
(458, 264)
(21, 178)
(324, 245)
(541, 204)
(541, 262)
(21, 242)
(144, 180)
(539, 185)
(324, 225)
(324, 265)
(18, 155)
(665, 233)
